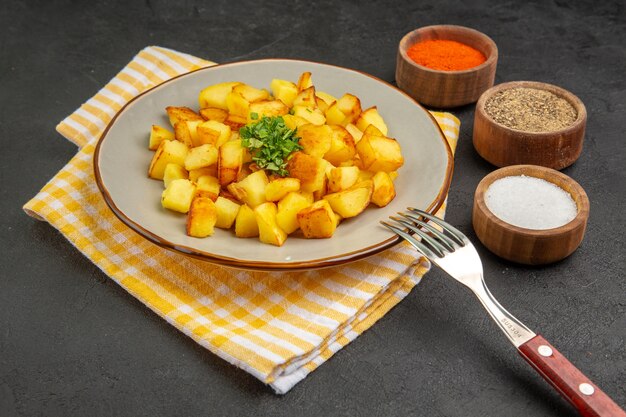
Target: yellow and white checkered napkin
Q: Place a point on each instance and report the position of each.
(278, 326)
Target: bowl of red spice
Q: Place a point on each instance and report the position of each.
(529, 122)
(445, 66)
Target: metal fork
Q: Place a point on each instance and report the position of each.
(451, 250)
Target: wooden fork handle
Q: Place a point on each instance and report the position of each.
(568, 380)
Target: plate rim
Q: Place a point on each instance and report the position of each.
(266, 265)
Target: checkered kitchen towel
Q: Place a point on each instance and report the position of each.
(278, 326)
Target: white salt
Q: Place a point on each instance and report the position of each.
(530, 202)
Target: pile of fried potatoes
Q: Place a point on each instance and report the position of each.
(346, 162)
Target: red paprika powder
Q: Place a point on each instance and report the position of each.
(445, 55)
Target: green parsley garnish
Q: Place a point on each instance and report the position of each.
(270, 142)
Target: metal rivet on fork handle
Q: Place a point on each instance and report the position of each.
(544, 351)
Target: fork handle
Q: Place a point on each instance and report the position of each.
(568, 380)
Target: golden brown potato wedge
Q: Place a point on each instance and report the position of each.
(250, 190)
(168, 152)
(317, 221)
(237, 105)
(305, 81)
(213, 113)
(342, 147)
(211, 170)
(208, 186)
(310, 170)
(294, 122)
(174, 172)
(201, 157)
(202, 217)
(183, 134)
(314, 116)
(334, 116)
(326, 98)
(284, 90)
(350, 106)
(280, 187)
(355, 132)
(315, 140)
(372, 130)
(384, 190)
(372, 117)
(226, 212)
(365, 175)
(342, 178)
(235, 122)
(157, 135)
(250, 93)
(288, 208)
(178, 195)
(212, 132)
(181, 114)
(351, 202)
(379, 153)
(269, 232)
(245, 223)
(230, 161)
(306, 98)
(268, 108)
(215, 95)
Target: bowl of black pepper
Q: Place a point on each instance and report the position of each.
(529, 122)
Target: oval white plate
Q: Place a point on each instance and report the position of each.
(122, 158)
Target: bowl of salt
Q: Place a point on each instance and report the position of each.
(530, 214)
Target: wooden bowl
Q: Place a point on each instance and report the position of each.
(446, 89)
(503, 146)
(529, 246)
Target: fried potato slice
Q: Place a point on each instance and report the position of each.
(280, 187)
(208, 186)
(305, 81)
(269, 231)
(310, 170)
(202, 217)
(342, 178)
(284, 90)
(201, 157)
(351, 202)
(230, 161)
(317, 221)
(379, 153)
(372, 117)
(315, 140)
(250, 190)
(245, 222)
(215, 95)
(168, 152)
(157, 135)
(384, 190)
(213, 113)
(178, 195)
(342, 147)
(181, 114)
(288, 208)
(174, 172)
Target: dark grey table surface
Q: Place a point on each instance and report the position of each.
(72, 343)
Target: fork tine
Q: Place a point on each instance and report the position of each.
(455, 233)
(435, 245)
(418, 245)
(444, 240)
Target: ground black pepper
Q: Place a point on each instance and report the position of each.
(530, 110)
